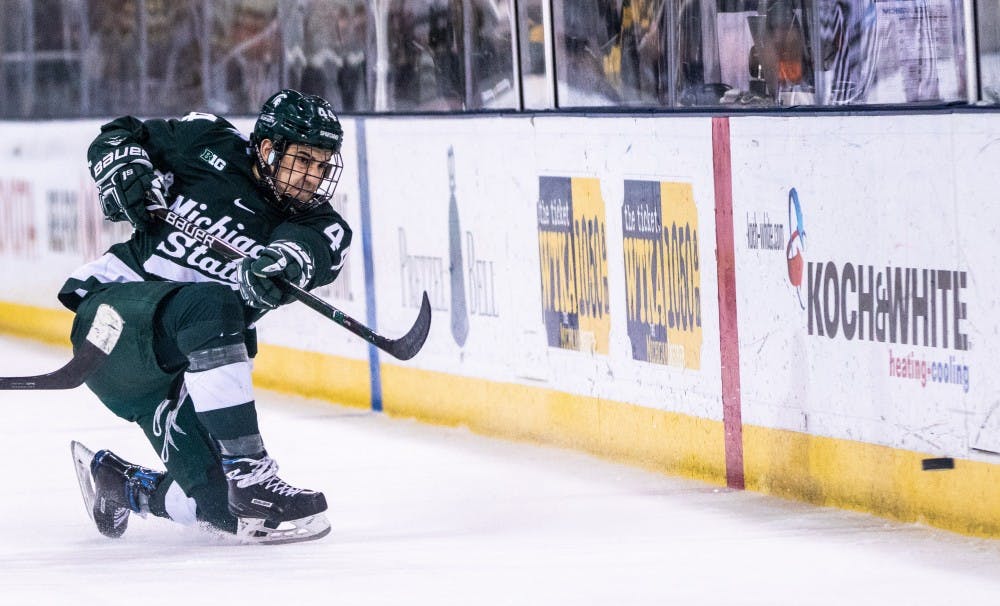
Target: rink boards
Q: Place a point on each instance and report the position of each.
(576, 266)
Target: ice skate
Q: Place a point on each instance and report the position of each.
(112, 488)
(268, 508)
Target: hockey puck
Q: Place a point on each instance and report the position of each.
(942, 463)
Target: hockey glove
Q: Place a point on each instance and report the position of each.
(281, 259)
(129, 191)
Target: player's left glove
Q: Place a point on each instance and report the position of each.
(281, 259)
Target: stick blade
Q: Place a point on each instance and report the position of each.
(101, 339)
(409, 344)
(85, 361)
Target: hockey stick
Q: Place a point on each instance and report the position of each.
(402, 348)
(101, 339)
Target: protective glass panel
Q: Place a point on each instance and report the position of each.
(173, 74)
(744, 53)
(610, 52)
(447, 55)
(988, 23)
(532, 37)
(891, 51)
(424, 65)
(488, 54)
(42, 59)
(327, 43)
(246, 55)
(64, 58)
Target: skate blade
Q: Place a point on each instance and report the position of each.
(257, 530)
(82, 456)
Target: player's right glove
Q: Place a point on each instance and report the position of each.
(285, 259)
(129, 191)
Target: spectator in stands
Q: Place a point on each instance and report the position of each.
(352, 77)
(784, 52)
(251, 63)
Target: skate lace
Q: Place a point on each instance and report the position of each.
(264, 471)
(171, 407)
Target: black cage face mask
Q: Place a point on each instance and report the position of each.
(301, 179)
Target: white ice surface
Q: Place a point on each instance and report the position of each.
(429, 515)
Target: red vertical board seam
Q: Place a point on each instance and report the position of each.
(729, 342)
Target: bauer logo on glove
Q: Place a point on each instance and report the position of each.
(125, 189)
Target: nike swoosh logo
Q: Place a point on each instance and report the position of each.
(236, 202)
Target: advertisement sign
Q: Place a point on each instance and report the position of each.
(662, 273)
(572, 250)
(860, 312)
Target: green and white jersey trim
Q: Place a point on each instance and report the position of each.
(105, 269)
(214, 271)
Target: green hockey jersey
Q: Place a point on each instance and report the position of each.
(206, 167)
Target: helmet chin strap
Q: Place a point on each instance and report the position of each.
(273, 156)
(266, 173)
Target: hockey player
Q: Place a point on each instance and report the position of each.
(181, 369)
